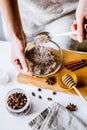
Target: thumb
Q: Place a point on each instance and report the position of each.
(23, 62)
(80, 29)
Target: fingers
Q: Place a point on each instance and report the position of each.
(18, 54)
(74, 28)
(17, 64)
(27, 73)
(25, 68)
(74, 25)
(21, 65)
(23, 62)
(80, 29)
(79, 26)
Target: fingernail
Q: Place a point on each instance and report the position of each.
(80, 39)
(74, 21)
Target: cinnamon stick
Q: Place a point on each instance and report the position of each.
(76, 64)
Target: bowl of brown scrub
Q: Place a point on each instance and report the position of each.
(44, 56)
(18, 102)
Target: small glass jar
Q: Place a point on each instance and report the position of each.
(10, 99)
(74, 77)
(44, 56)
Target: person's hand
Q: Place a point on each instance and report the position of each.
(81, 20)
(10, 12)
(18, 59)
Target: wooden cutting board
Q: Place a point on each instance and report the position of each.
(80, 73)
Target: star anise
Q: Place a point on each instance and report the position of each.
(71, 107)
(51, 80)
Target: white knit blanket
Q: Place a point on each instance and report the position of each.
(36, 14)
(54, 16)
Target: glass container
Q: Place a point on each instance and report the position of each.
(10, 99)
(44, 56)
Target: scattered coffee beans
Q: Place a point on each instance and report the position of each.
(40, 97)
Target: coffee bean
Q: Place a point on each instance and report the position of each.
(39, 89)
(33, 94)
(40, 97)
(50, 99)
(54, 93)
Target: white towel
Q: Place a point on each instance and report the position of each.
(57, 117)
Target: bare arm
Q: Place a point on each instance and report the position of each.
(10, 12)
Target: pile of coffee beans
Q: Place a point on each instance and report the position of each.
(17, 100)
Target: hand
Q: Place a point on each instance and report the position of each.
(10, 12)
(81, 20)
(18, 54)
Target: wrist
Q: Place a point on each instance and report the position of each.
(19, 38)
(17, 34)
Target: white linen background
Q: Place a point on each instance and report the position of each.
(38, 16)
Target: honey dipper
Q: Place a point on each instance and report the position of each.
(68, 81)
